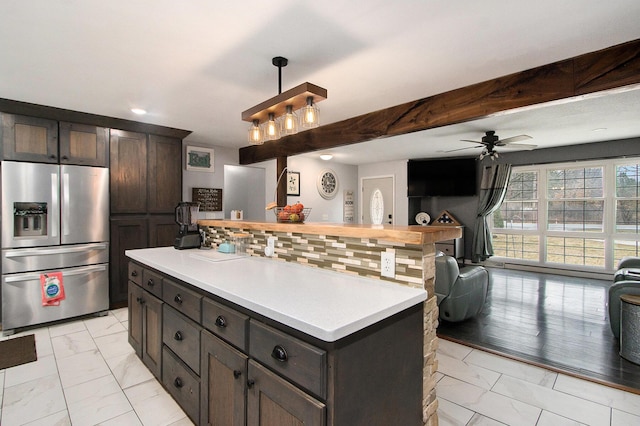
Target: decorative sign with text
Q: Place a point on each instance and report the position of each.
(210, 199)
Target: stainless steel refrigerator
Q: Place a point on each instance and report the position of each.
(55, 219)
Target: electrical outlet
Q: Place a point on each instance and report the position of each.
(388, 264)
(269, 250)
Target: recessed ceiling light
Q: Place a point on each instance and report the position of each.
(599, 129)
(326, 157)
(138, 111)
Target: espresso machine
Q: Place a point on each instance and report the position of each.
(186, 217)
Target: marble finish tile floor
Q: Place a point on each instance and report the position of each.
(479, 388)
(87, 374)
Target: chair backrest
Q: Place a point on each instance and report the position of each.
(447, 272)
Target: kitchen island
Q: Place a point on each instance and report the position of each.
(332, 344)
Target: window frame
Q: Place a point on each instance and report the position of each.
(608, 234)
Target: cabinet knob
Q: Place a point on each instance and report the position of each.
(64, 157)
(279, 354)
(221, 322)
(237, 373)
(134, 273)
(139, 299)
(52, 156)
(178, 336)
(250, 383)
(178, 382)
(178, 299)
(150, 282)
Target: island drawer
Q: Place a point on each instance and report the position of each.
(152, 282)
(226, 323)
(294, 359)
(181, 335)
(135, 273)
(184, 300)
(181, 383)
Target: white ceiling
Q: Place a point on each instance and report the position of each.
(197, 64)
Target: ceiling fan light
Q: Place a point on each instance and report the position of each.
(289, 122)
(255, 133)
(326, 157)
(271, 129)
(309, 115)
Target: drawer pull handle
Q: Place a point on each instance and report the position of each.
(178, 299)
(250, 383)
(178, 336)
(237, 373)
(178, 382)
(150, 282)
(134, 273)
(279, 353)
(221, 322)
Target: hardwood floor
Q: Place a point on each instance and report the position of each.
(554, 321)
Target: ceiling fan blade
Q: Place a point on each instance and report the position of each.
(520, 145)
(462, 149)
(469, 140)
(513, 139)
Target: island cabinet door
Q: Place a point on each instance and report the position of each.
(152, 333)
(135, 318)
(272, 401)
(223, 378)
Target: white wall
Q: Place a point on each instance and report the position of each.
(397, 169)
(191, 179)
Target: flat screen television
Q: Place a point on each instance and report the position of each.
(455, 177)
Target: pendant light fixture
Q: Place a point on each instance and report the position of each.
(285, 113)
(255, 133)
(310, 115)
(271, 129)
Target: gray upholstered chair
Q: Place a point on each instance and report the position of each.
(460, 292)
(628, 269)
(626, 280)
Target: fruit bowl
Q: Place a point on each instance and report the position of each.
(291, 214)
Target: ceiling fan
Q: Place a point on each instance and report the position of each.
(490, 141)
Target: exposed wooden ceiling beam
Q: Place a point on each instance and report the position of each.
(607, 69)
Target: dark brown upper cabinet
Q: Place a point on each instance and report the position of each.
(29, 139)
(128, 172)
(84, 145)
(42, 140)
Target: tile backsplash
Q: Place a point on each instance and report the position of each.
(358, 256)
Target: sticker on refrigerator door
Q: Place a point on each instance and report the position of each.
(52, 288)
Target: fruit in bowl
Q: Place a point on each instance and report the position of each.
(295, 213)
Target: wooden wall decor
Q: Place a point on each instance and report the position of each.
(607, 69)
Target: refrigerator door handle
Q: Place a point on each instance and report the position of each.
(53, 222)
(56, 250)
(65, 273)
(65, 203)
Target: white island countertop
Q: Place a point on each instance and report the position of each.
(324, 304)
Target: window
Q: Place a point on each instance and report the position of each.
(584, 215)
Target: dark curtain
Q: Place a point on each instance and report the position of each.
(492, 191)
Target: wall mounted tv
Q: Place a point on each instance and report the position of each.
(455, 177)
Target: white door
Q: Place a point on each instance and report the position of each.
(377, 200)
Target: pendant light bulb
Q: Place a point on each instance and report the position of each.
(310, 115)
(289, 122)
(255, 135)
(272, 131)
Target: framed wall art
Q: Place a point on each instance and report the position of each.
(199, 159)
(293, 183)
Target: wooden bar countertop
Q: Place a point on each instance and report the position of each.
(404, 234)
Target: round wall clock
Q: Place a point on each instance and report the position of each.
(327, 184)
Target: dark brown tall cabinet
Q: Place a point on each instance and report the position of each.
(146, 186)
